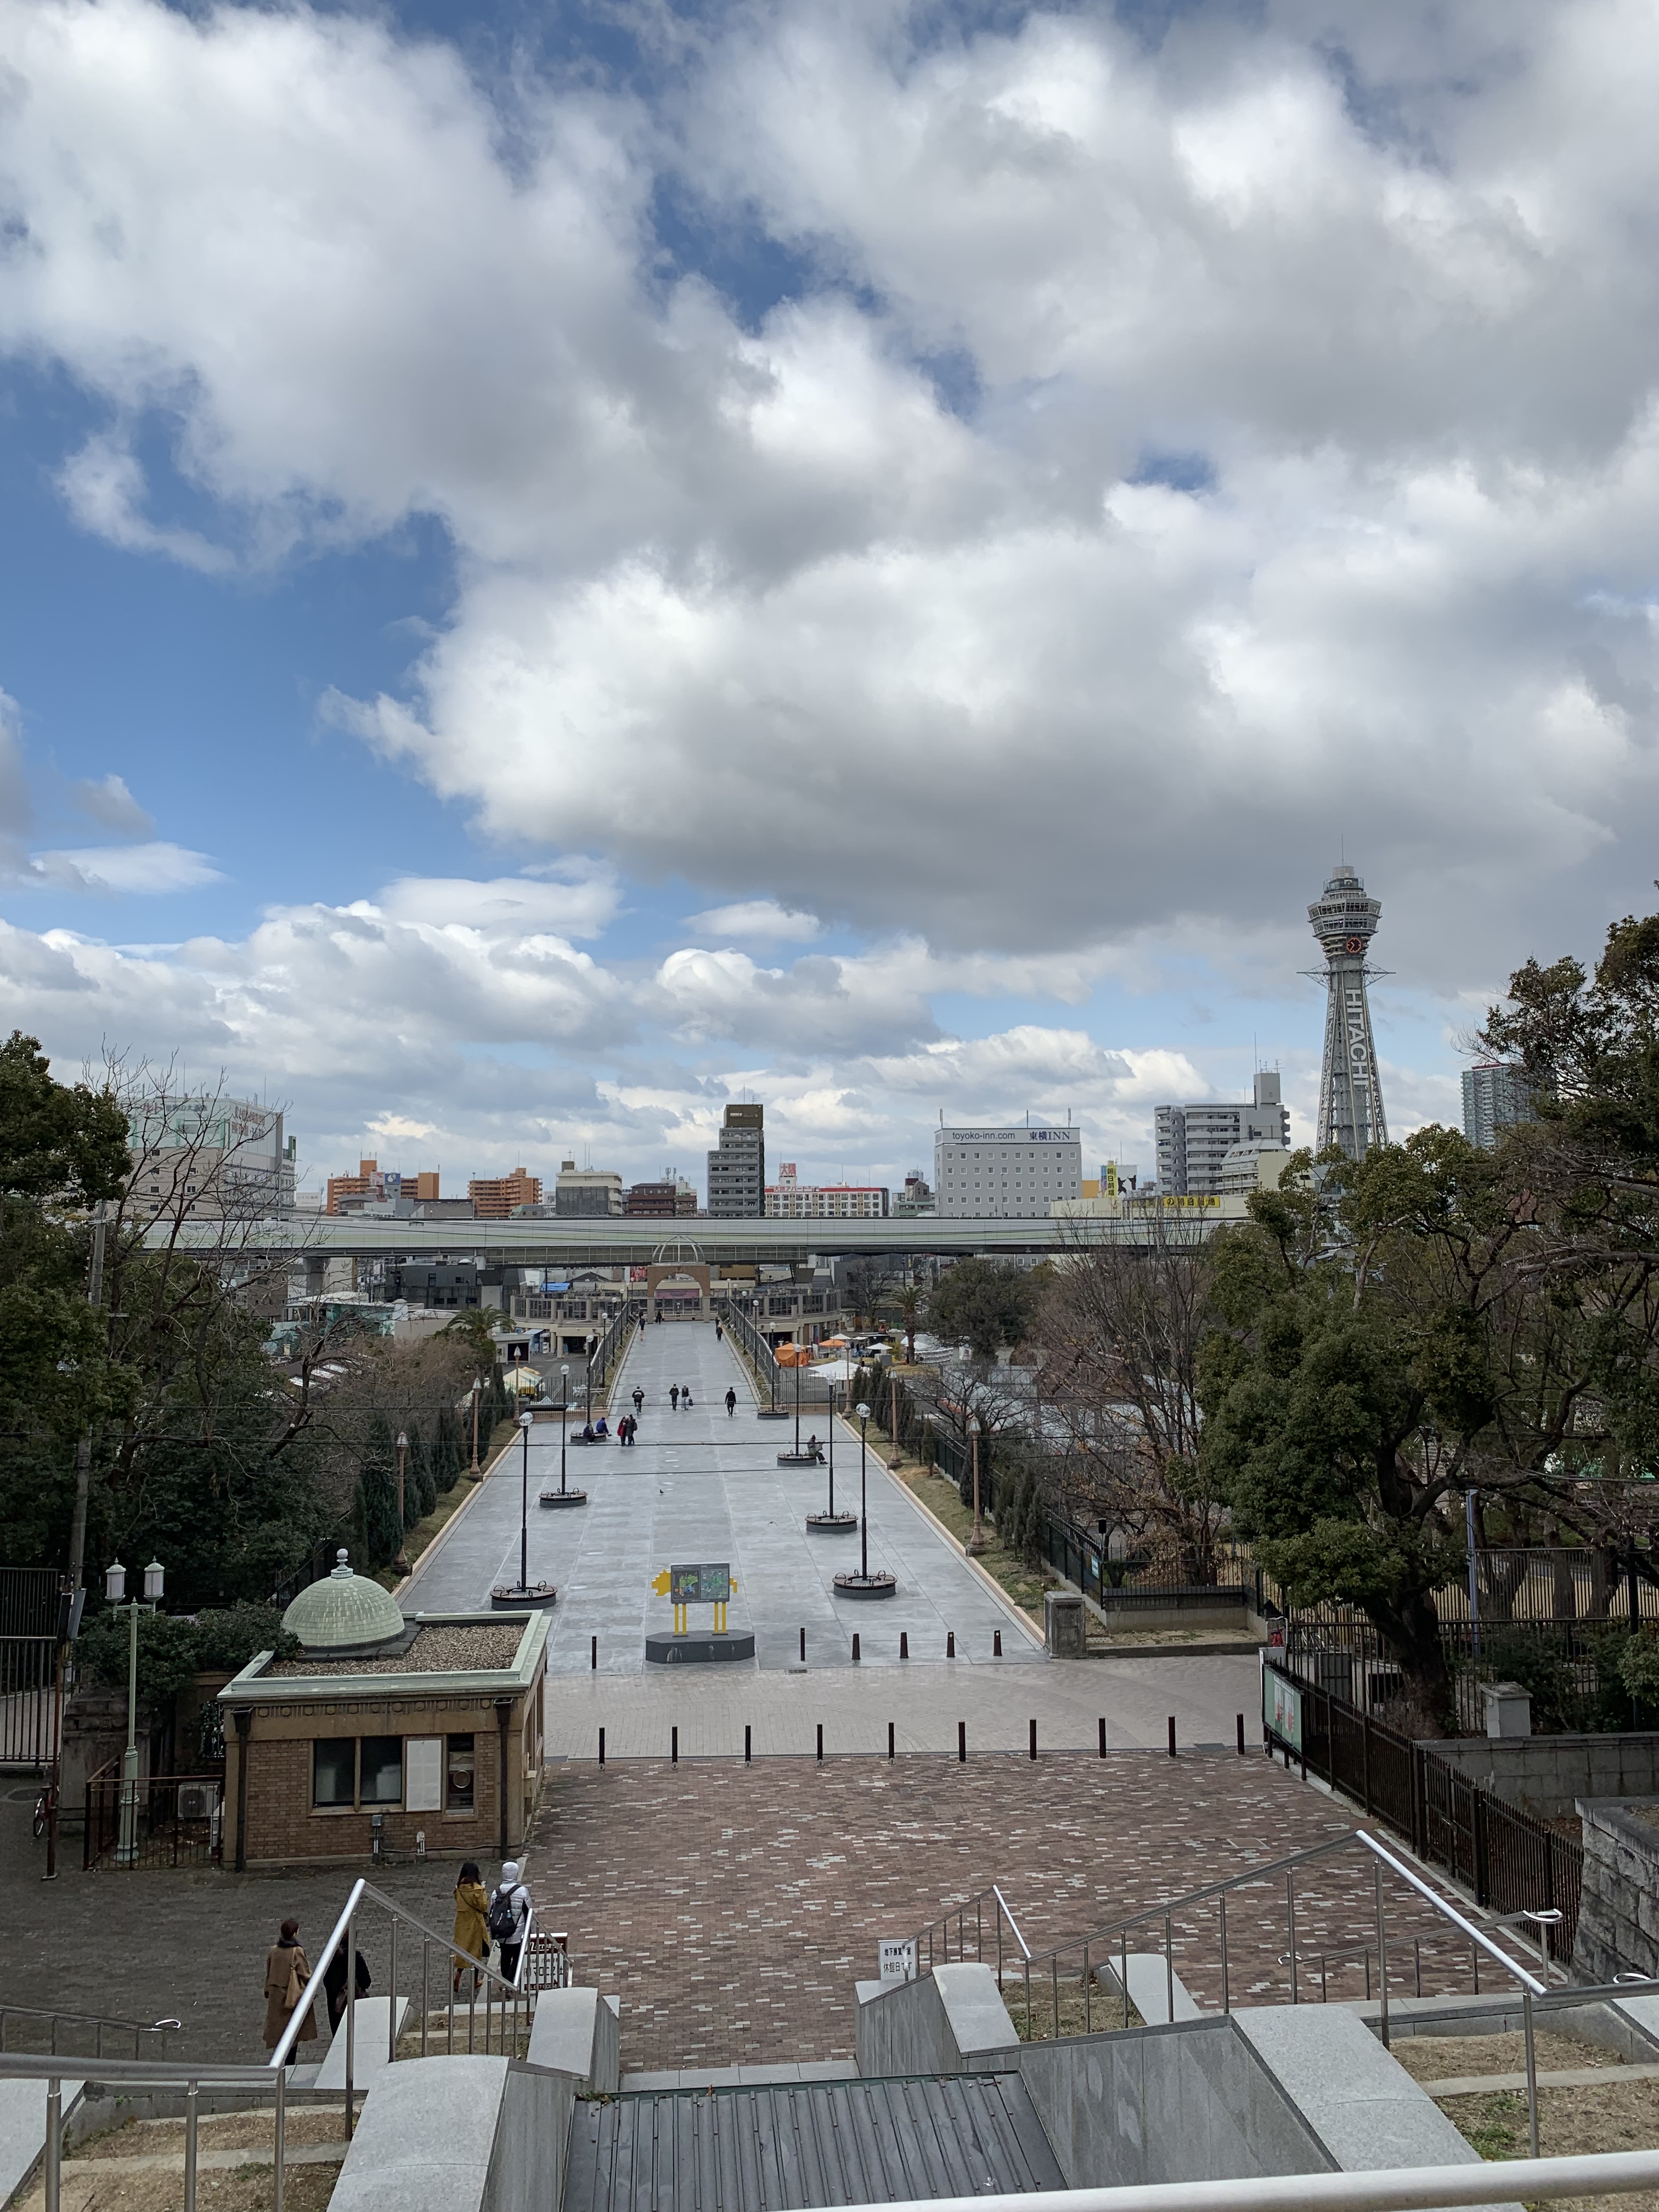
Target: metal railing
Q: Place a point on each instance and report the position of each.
(74, 2024)
(508, 2007)
(934, 1940)
(176, 1819)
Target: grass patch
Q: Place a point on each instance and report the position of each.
(1099, 2011)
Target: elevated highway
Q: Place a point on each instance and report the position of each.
(560, 1245)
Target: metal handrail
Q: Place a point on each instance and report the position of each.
(959, 1913)
(97, 2021)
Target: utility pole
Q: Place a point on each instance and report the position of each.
(83, 1449)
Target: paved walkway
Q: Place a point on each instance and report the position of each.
(701, 1485)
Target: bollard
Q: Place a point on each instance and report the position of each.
(1033, 1739)
(1240, 1719)
(950, 1643)
(593, 1655)
(904, 1644)
(803, 1646)
(601, 1746)
(890, 1739)
(747, 1744)
(855, 1647)
(996, 1643)
(1103, 1738)
(961, 1743)
(820, 1743)
(674, 1745)
(1172, 1748)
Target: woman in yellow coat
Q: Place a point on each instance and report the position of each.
(471, 1916)
(288, 1973)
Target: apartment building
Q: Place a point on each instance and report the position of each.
(586, 1194)
(790, 1200)
(496, 1198)
(1006, 1175)
(669, 1199)
(1193, 1141)
(737, 1166)
(1496, 1097)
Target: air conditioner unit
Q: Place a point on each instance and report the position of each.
(196, 1801)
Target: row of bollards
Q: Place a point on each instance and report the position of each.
(962, 1739)
(904, 1646)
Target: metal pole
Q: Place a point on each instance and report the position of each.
(351, 2015)
(1474, 1584)
(1226, 1999)
(1169, 1967)
(1382, 1955)
(54, 2151)
(426, 1996)
(1289, 1914)
(190, 2147)
(864, 1501)
(392, 1993)
(127, 1848)
(281, 2147)
(564, 1424)
(1532, 2072)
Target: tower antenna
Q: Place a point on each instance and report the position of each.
(1345, 921)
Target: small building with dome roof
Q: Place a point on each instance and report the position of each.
(388, 1734)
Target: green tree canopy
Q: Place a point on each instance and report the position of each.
(984, 1305)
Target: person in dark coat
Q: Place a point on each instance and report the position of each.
(334, 1981)
(730, 1403)
(639, 1398)
(674, 1397)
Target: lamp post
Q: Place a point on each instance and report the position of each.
(524, 1425)
(401, 1562)
(115, 1590)
(478, 1393)
(588, 1417)
(864, 1583)
(565, 1404)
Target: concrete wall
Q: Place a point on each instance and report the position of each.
(458, 2134)
(1547, 1774)
(1618, 1906)
(1190, 2102)
(950, 2021)
(578, 2033)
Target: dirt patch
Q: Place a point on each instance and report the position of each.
(249, 2189)
(307, 2124)
(1447, 2058)
(1618, 2116)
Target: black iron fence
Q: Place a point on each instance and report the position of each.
(158, 1820)
(1507, 1860)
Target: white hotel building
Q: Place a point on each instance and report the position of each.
(1006, 1175)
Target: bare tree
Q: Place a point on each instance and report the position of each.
(1119, 1331)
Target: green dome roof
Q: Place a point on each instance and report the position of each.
(342, 1613)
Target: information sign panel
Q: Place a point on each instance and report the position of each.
(1281, 1707)
(704, 1585)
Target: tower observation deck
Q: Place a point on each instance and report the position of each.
(1350, 1094)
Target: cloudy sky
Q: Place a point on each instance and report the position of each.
(557, 565)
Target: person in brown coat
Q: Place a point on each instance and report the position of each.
(287, 1971)
(471, 1916)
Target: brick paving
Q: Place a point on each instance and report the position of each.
(732, 1909)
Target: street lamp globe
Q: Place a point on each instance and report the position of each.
(402, 1440)
(863, 1412)
(525, 1420)
(115, 1584)
(153, 1578)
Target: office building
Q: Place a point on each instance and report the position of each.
(1351, 1113)
(790, 1200)
(916, 1198)
(737, 1167)
(1194, 1141)
(1256, 1165)
(496, 1198)
(669, 1199)
(1006, 1175)
(587, 1192)
(207, 1158)
(1495, 1098)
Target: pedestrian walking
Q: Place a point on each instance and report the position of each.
(730, 1403)
(674, 1397)
(510, 1909)
(719, 1333)
(639, 1398)
(334, 1982)
(471, 1933)
(288, 1971)
(685, 1399)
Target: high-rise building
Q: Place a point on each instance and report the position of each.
(208, 1157)
(737, 1167)
(790, 1200)
(584, 1192)
(1194, 1141)
(1006, 1175)
(496, 1197)
(1496, 1097)
(1351, 1113)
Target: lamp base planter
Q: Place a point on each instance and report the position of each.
(699, 1650)
(832, 1524)
(801, 1459)
(775, 1413)
(514, 1597)
(857, 1585)
(564, 1497)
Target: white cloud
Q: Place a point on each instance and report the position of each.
(108, 800)
(757, 921)
(143, 869)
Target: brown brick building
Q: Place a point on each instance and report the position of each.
(494, 1199)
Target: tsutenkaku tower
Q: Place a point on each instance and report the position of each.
(1349, 1093)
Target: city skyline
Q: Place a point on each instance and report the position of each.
(941, 694)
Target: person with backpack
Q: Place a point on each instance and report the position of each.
(639, 1398)
(510, 1909)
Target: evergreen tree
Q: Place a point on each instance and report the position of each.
(377, 1496)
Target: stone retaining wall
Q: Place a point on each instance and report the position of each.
(1619, 1910)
